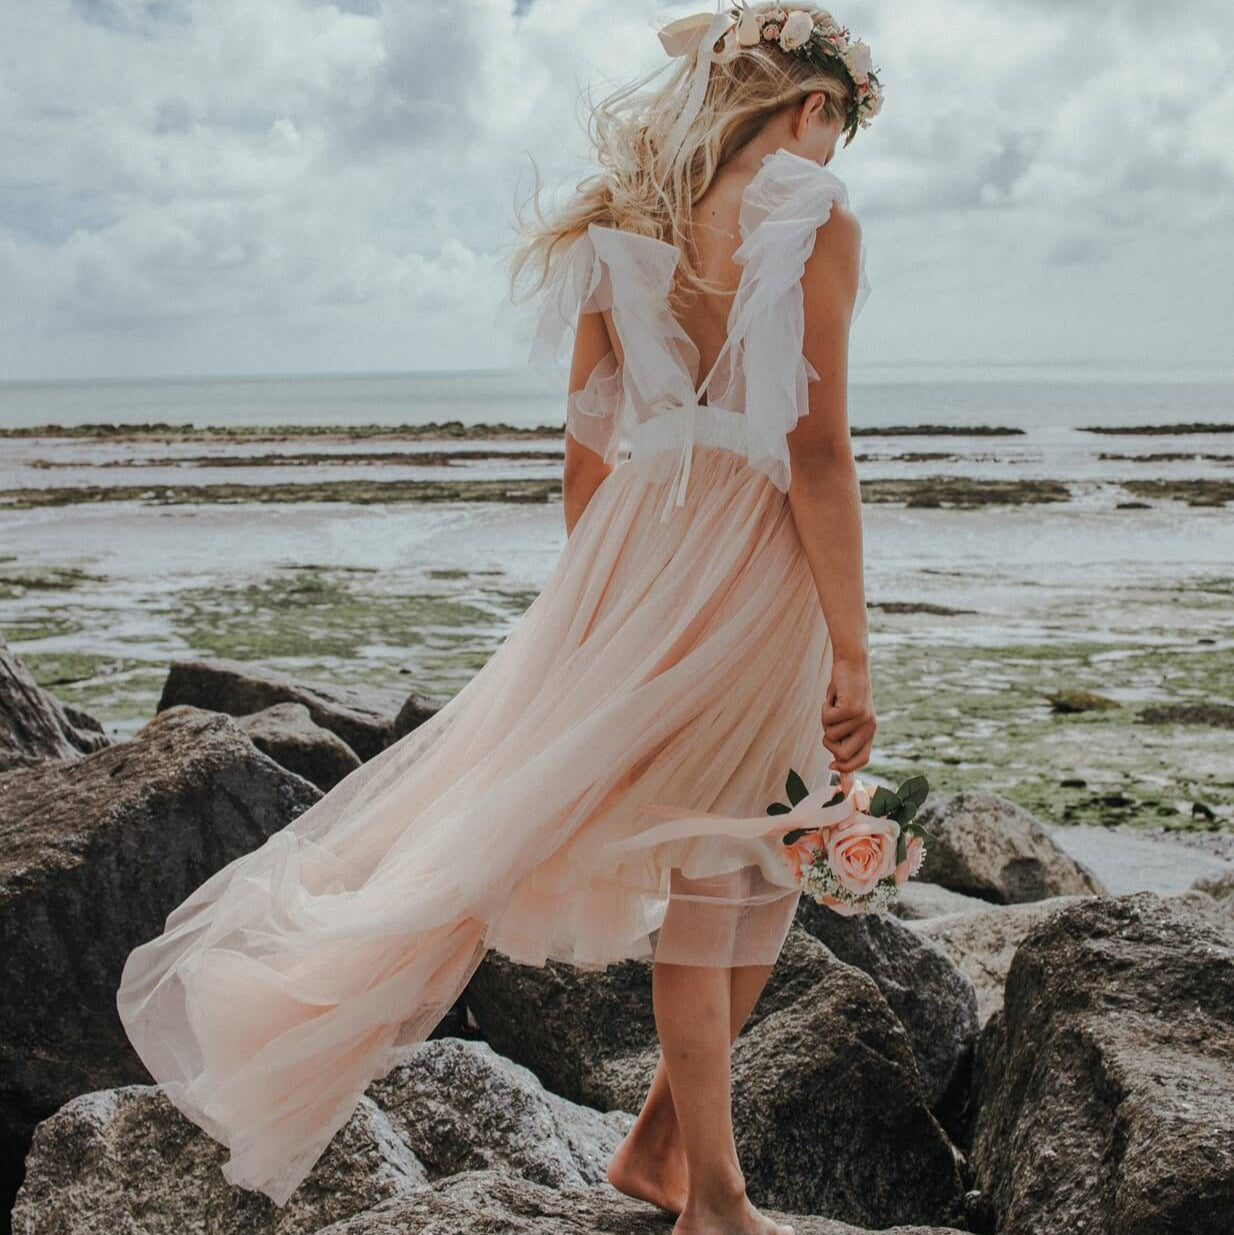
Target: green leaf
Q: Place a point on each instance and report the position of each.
(917, 830)
(914, 790)
(795, 787)
(778, 808)
(791, 838)
(883, 802)
(835, 799)
(901, 847)
(904, 812)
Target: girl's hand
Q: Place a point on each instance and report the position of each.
(848, 716)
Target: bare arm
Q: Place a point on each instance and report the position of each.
(824, 493)
(584, 469)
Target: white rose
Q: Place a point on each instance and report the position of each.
(857, 57)
(797, 30)
(748, 32)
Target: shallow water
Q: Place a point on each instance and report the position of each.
(1135, 603)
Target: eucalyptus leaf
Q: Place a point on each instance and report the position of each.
(884, 802)
(914, 790)
(795, 787)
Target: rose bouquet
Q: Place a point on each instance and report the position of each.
(855, 849)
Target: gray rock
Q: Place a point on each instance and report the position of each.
(460, 1106)
(830, 1077)
(127, 1160)
(820, 1053)
(34, 724)
(987, 846)
(589, 1036)
(286, 732)
(1220, 890)
(933, 999)
(982, 944)
(93, 856)
(494, 1203)
(919, 900)
(363, 716)
(1130, 861)
(1107, 1097)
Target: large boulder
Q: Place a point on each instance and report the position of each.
(127, 1160)
(1107, 1096)
(94, 854)
(367, 718)
(918, 899)
(982, 944)
(287, 733)
(34, 724)
(988, 847)
(933, 999)
(459, 1106)
(822, 1070)
(494, 1203)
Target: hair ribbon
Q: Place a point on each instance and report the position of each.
(695, 35)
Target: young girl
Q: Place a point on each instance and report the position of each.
(703, 630)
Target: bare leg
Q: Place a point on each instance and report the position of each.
(650, 1163)
(693, 1011)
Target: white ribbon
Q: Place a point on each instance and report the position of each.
(695, 35)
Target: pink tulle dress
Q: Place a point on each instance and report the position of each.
(677, 656)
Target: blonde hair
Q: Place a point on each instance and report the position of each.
(645, 190)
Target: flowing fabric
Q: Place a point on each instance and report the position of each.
(676, 663)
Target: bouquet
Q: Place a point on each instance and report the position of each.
(854, 850)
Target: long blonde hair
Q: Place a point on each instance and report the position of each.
(641, 188)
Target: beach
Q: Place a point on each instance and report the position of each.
(1026, 533)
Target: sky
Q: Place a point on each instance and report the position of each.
(200, 187)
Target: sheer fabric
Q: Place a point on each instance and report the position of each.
(679, 663)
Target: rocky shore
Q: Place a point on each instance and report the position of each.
(1017, 1050)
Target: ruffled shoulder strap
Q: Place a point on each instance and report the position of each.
(783, 206)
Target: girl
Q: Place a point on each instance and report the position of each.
(703, 629)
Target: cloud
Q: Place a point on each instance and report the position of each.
(212, 186)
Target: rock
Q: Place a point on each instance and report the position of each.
(363, 716)
(1128, 862)
(987, 846)
(1219, 890)
(592, 1035)
(820, 1052)
(127, 1160)
(460, 1106)
(1107, 1097)
(982, 944)
(918, 900)
(1079, 701)
(287, 734)
(1217, 715)
(93, 856)
(933, 999)
(493, 1203)
(829, 1077)
(34, 724)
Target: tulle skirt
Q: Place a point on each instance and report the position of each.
(679, 662)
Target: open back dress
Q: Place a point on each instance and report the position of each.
(676, 657)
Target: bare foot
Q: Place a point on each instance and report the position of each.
(650, 1171)
(730, 1214)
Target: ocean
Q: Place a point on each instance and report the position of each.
(319, 526)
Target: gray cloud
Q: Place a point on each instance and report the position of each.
(197, 186)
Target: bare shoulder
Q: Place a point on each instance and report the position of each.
(832, 269)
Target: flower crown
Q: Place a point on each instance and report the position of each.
(815, 36)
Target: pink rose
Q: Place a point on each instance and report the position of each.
(863, 852)
(771, 31)
(912, 861)
(800, 853)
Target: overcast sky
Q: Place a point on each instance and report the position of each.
(286, 186)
